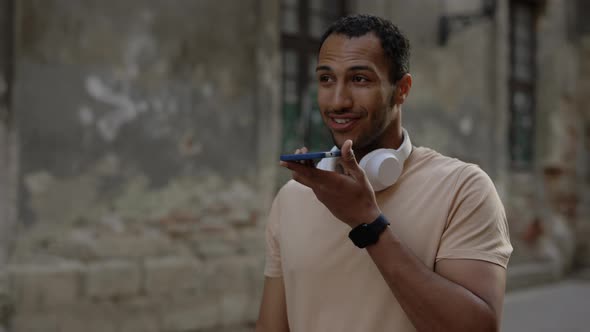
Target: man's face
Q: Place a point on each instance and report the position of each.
(355, 95)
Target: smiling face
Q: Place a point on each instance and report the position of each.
(356, 98)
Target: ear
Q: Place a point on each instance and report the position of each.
(402, 89)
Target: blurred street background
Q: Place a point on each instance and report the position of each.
(560, 306)
(139, 145)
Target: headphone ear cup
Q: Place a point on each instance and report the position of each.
(382, 168)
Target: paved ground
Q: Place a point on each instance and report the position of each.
(560, 307)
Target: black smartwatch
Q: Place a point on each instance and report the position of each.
(366, 234)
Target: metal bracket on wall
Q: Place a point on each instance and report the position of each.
(449, 23)
(7, 38)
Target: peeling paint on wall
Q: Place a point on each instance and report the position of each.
(124, 109)
(466, 125)
(86, 116)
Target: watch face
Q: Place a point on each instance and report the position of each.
(363, 236)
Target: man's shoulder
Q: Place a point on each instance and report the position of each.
(441, 166)
(429, 160)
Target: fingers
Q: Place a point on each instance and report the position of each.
(348, 160)
(302, 173)
(301, 150)
(347, 152)
(304, 162)
(299, 167)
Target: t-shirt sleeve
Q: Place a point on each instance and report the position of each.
(273, 253)
(476, 226)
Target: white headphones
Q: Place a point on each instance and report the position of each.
(382, 166)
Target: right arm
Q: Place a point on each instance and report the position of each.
(273, 310)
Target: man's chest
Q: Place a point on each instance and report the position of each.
(314, 241)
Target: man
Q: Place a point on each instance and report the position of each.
(440, 264)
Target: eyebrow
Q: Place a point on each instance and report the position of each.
(353, 68)
(320, 68)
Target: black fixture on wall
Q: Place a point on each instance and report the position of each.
(448, 24)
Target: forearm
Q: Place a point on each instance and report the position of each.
(273, 309)
(431, 302)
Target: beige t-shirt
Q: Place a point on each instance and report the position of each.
(441, 208)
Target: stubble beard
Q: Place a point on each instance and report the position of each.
(371, 139)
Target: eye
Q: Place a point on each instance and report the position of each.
(325, 78)
(359, 79)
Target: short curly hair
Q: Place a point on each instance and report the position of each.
(395, 45)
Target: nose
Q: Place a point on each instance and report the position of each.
(342, 97)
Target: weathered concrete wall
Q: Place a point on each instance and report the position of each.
(556, 122)
(137, 100)
(146, 130)
(8, 197)
(8, 146)
(548, 222)
(8, 160)
(8, 204)
(582, 227)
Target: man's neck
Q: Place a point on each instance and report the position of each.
(392, 139)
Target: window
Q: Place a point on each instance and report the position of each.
(6, 54)
(302, 25)
(522, 84)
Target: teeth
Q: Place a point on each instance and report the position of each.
(341, 121)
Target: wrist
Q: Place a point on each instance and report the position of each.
(366, 218)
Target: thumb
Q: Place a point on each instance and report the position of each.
(348, 159)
